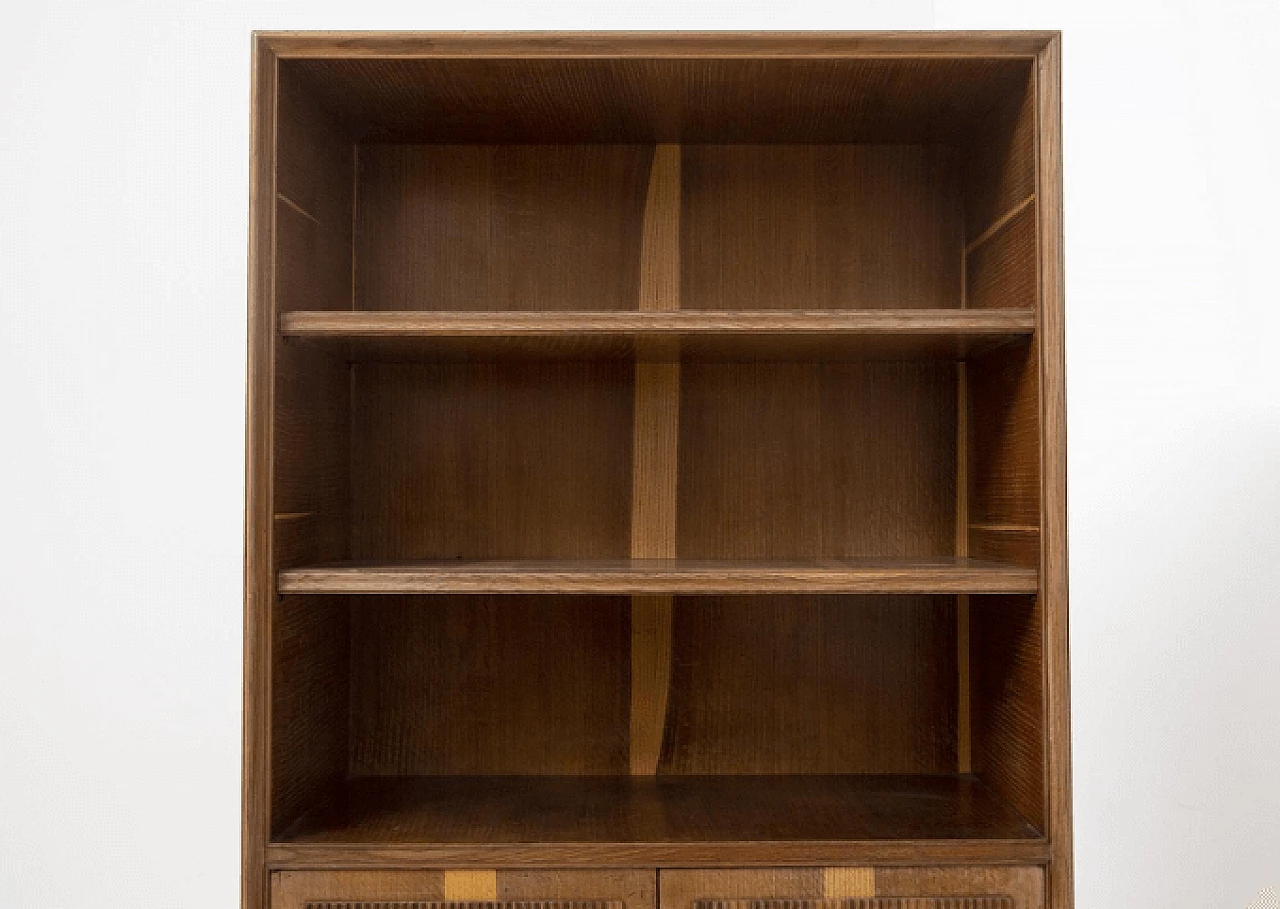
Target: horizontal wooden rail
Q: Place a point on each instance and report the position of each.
(663, 576)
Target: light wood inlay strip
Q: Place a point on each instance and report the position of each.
(838, 883)
(294, 515)
(471, 885)
(999, 224)
(653, 489)
(1006, 528)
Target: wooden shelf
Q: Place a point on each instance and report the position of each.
(660, 818)
(689, 334)
(663, 576)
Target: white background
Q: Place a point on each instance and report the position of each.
(124, 171)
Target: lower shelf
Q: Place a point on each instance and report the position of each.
(660, 576)
(665, 813)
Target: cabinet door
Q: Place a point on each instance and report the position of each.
(464, 889)
(854, 888)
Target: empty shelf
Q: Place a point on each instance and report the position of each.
(661, 815)
(689, 334)
(671, 576)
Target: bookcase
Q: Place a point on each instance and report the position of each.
(656, 473)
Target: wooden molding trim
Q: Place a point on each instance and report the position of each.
(656, 45)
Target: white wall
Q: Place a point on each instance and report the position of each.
(123, 162)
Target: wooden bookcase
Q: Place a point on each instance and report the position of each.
(656, 473)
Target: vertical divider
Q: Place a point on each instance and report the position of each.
(655, 447)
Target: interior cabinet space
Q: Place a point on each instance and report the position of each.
(656, 461)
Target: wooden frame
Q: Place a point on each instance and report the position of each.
(1019, 565)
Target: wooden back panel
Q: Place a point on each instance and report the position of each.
(492, 460)
(811, 684)
(805, 461)
(820, 227)
(500, 227)
(489, 685)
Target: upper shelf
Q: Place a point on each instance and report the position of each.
(686, 334)
(664, 576)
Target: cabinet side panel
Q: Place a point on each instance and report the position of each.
(1054, 453)
(311, 456)
(309, 663)
(1007, 680)
(998, 159)
(258, 580)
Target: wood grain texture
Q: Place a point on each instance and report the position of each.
(310, 662)
(499, 227)
(471, 884)
(311, 455)
(647, 100)
(771, 334)
(835, 226)
(314, 165)
(825, 461)
(655, 447)
(1004, 433)
(1007, 641)
(587, 811)
(660, 235)
(489, 685)
(512, 889)
(1054, 457)
(492, 461)
(1001, 273)
(312, 433)
(771, 322)
(652, 577)
(1023, 886)
(840, 883)
(998, 156)
(799, 853)
(684, 888)
(651, 618)
(823, 685)
(259, 570)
